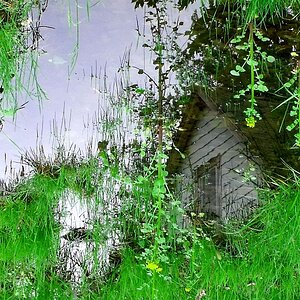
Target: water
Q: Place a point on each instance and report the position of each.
(72, 112)
(72, 100)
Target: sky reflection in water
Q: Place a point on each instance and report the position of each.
(103, 40)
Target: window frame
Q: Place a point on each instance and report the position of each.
(213, 193)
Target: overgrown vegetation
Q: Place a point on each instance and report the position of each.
(19, 50)
(246, 40)
(256, 259)
(130, 244)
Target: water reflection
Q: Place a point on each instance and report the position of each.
(77, 111)
(102, 41)
(105, 32)
(84, 249)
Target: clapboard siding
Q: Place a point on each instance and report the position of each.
(212, 137)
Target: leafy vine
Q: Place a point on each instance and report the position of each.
(253, 60)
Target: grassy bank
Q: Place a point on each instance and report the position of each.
(254, 260)
(259, 260)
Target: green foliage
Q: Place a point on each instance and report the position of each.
(219, 44)
(157, 258)
(18, 54)
(255, 58)
(292, 87)
(257, 260)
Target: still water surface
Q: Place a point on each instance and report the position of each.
(106, 32)
(103, 39)
(66, 116)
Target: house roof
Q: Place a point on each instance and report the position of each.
(263, 141)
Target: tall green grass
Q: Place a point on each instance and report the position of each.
(260, 261)
(32, 263)
(29, 236)
(256, 259)
(252, 9)
(19, 39)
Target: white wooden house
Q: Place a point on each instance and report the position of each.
(218, 174)
(224, 160)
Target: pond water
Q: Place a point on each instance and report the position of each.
(103, 39)
(106, 32)
(73, 100)
(82, 211)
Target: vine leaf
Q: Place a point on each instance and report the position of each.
(234, 73)
(240, 68)
(270, 58)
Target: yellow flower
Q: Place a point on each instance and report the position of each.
(294, 54)
(250, 122)
(153, 266)
(187, 289)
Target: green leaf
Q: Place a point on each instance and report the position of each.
(114, 171)
(164, 173)
(251, 62)
(142, 153)
(140, 91)
(287, 85)
(240, 68)
(263, 54)
(236, 40)
(234, 73)
(242, 47)
(160, 240)
(262, 88)
(270, 58)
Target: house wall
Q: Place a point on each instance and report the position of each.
(236, 192)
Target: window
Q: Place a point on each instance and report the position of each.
(208, 188)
